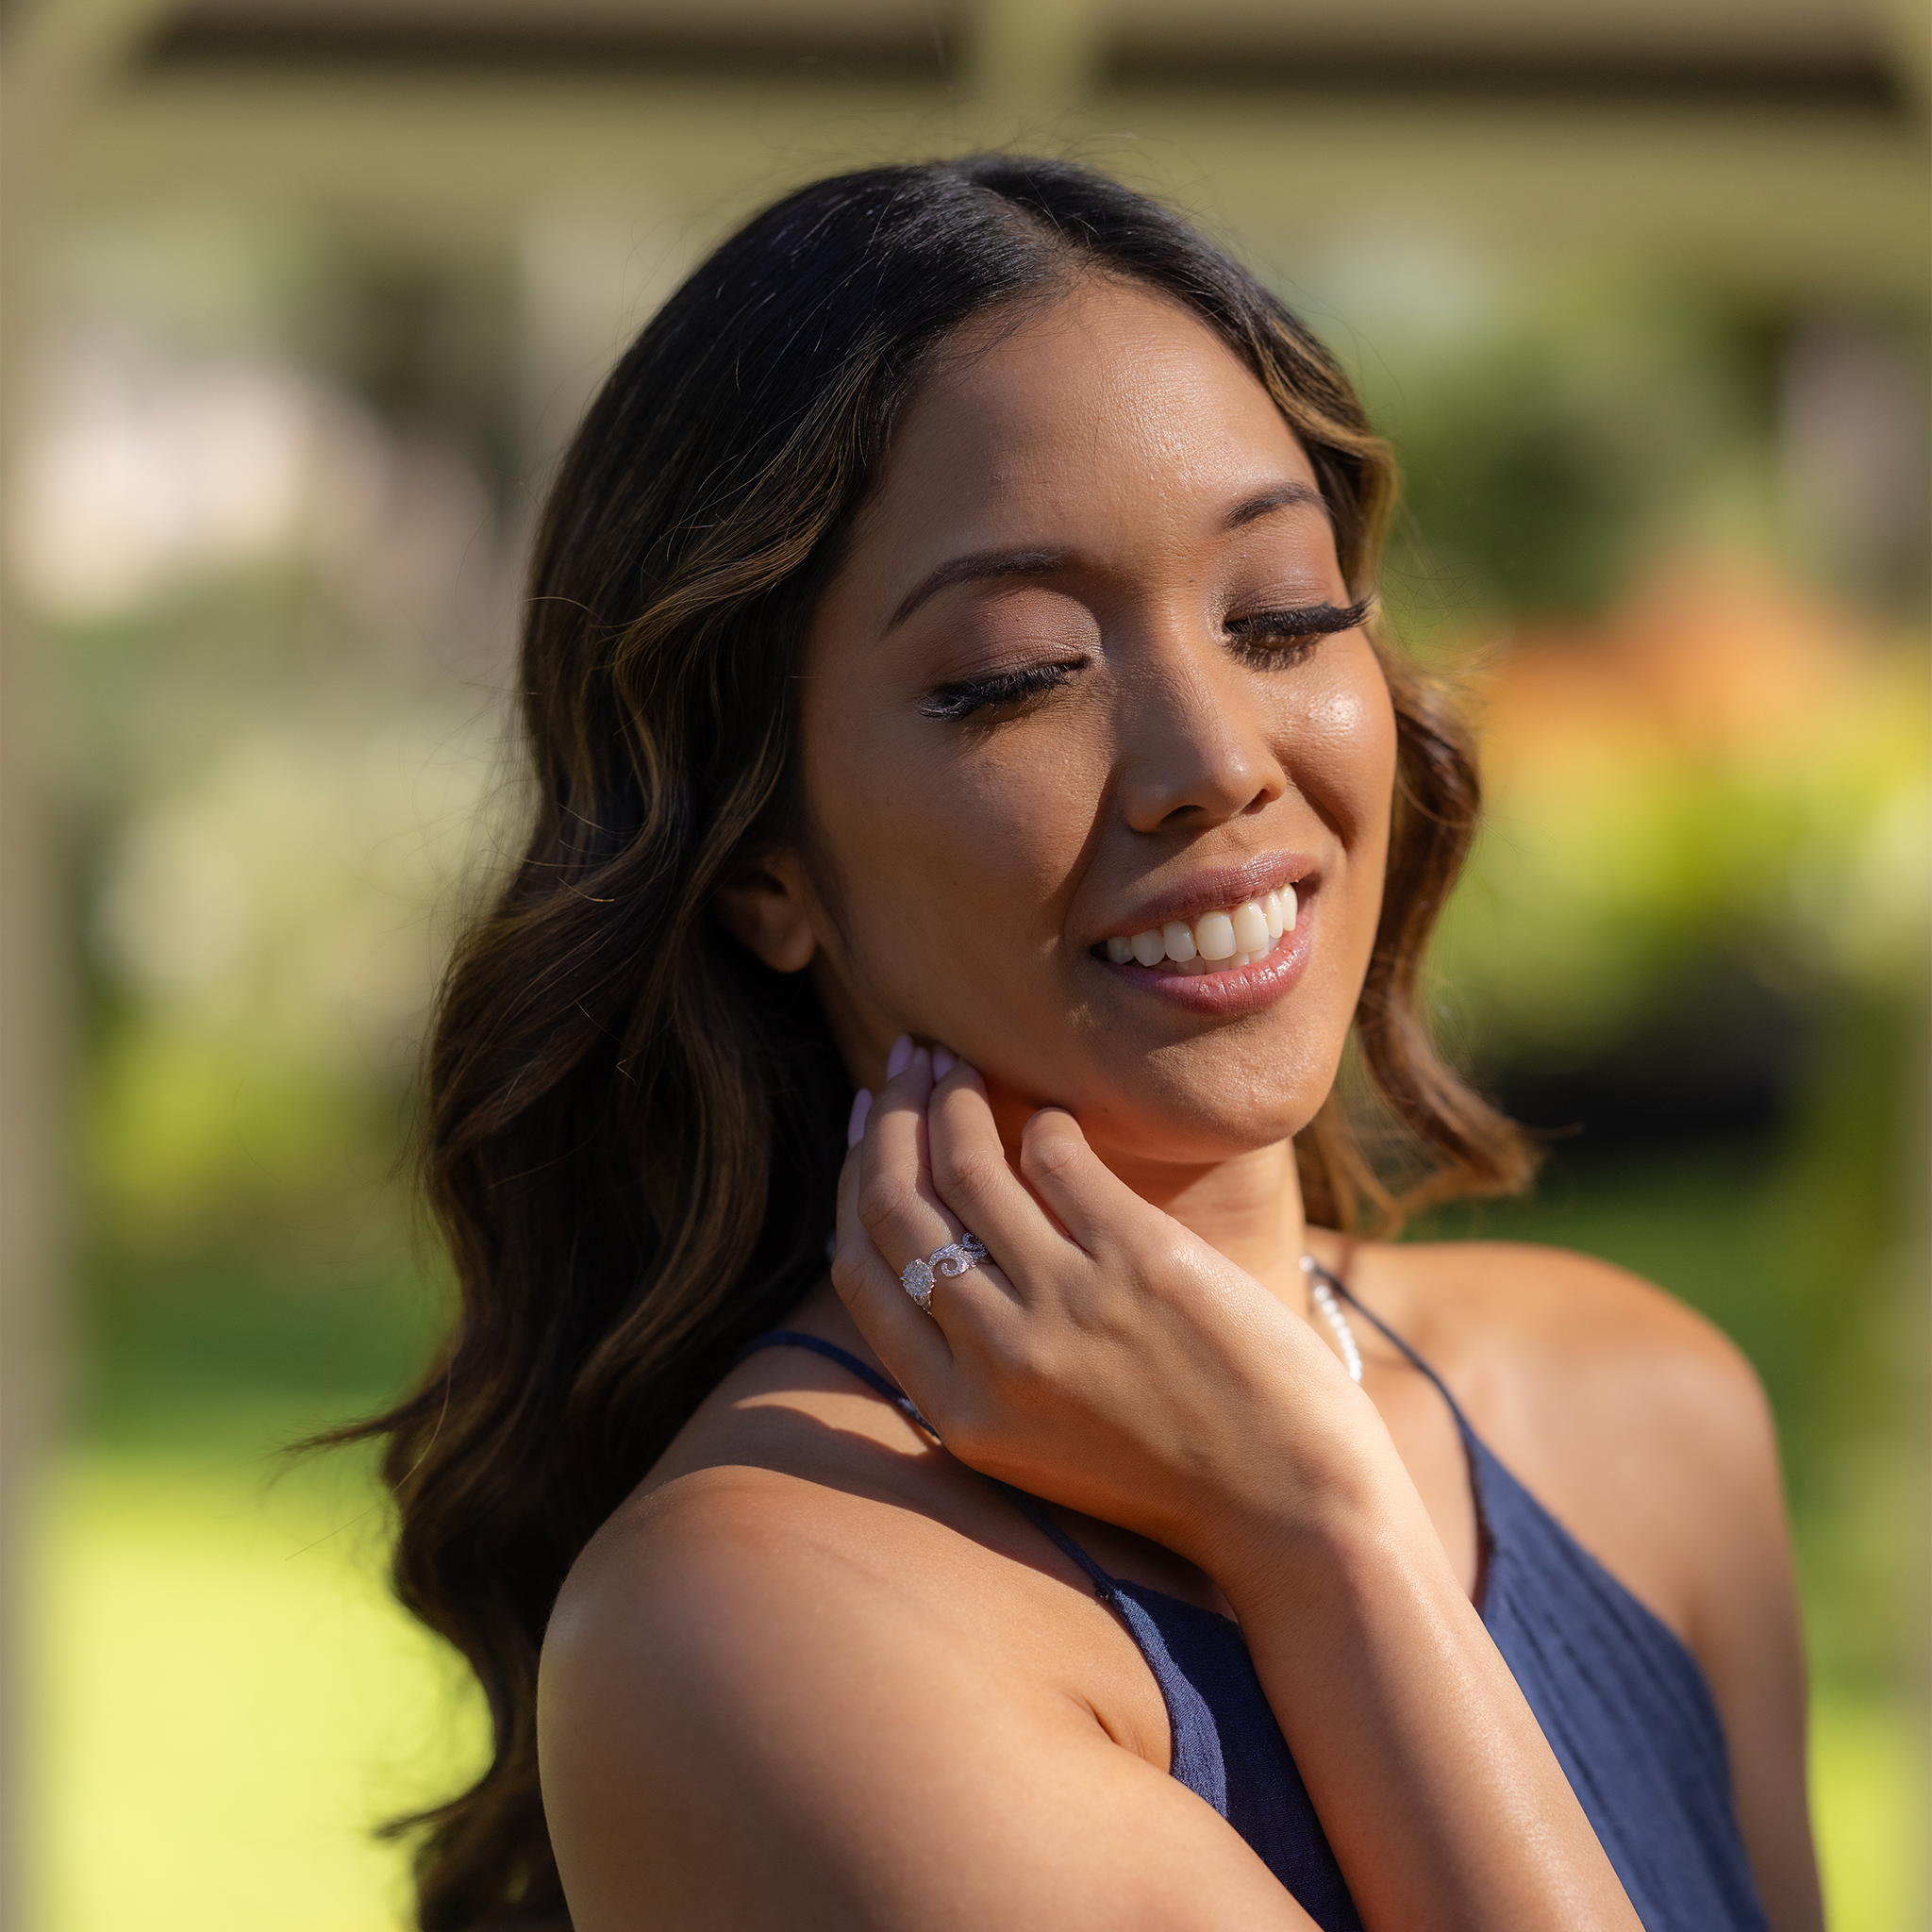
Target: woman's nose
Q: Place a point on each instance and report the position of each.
(1194, 747)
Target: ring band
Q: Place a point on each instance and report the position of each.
(917, 1277)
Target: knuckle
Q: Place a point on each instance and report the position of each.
(963, 1174)
(1013, 1357)
(1052, 1156)
(847, 1273)
(883, 1199)
(1165, 1257)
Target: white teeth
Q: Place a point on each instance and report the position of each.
(1214, 936)
(1251, 934)
(1216, 940)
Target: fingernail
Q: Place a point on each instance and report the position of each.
(861, 1106)
(900, 1058)
(943, 1061)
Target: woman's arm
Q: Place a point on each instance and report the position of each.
(1118, 1366)
(1646, 1432)
(756, 1710)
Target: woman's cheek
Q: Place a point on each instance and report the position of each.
(1016, 821)
(965, 861)
(1346, 756)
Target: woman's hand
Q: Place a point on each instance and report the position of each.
(1107, 1360)
(1104, 1357)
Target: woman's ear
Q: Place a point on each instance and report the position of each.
(765, 907)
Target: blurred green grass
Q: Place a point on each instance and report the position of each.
(225, 1700)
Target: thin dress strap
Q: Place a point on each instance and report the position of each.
(796, 1338)
(1029, 1508)
(1341, 1288)
(1027, 1505)
(1475, 1451)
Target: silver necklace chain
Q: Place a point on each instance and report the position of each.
(1324, 1298)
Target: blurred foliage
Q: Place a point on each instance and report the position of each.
(1557, 440)
(1544, 463)
(1719, 767)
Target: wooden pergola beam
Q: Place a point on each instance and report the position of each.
(1794, 200)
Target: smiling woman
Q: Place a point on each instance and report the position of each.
(955, 714)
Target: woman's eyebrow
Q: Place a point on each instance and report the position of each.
(1039, 563)
(1283, 496)
(984, 563)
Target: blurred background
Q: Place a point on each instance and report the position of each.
(300, 299)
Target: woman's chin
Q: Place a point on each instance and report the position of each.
(1164, 1128)
(1208, 1141)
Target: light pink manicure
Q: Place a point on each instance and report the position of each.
(900, 1058)
(943, 1061)
(861, 1106)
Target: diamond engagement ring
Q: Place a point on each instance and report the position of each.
(917, 1277)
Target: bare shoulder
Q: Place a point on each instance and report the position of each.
(1526, 1334)
(715, 1573)
(761, 1686)
(725, 1667)
(794, 1499)
(682, 1564)
(1636, 1421)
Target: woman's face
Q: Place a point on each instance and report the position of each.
(1049, 703)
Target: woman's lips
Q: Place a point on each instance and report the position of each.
(1220, 939)
(1233, 990)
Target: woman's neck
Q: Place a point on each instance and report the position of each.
(1247, 1207)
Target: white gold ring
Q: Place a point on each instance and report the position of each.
(917, 1277)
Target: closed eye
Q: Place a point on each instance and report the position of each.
(1263, 633)
(953, 702)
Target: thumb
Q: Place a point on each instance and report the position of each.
(1073, 1184)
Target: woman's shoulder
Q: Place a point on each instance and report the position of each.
(1516, 1320)
(803, 1643)
(785, 1486)
(800, 1525)
(1634, 1421)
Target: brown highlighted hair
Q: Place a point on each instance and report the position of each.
(632, 1130)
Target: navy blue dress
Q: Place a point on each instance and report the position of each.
(1624, 1705)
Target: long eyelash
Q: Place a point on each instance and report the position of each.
(1301, 621)
(953, 702)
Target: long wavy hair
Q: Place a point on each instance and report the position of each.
(630, 1128)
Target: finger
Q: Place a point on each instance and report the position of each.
(898, 1206)
(972, 1177)
(910, 1344)
(1092, 1204)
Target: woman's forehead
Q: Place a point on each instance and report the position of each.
(1110, 365)
(1110, 408)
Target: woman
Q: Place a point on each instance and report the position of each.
(950, 676)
